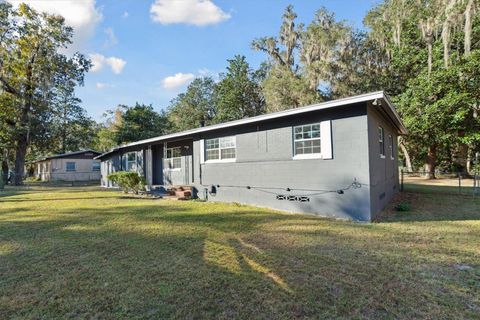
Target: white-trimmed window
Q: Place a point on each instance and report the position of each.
(71, 166)
(390, 146)
(220, 149)
(131, 161)
(173, 158)
(381, 141)
(307, 141)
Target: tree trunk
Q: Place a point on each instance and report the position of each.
(23, 135)
(463, 159)
(431, 162)
(468, 163)
(4, 171)
(468, 27)
(430, 53)
(20, 153)
(408, 161)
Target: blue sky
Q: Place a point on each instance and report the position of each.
(137, 45)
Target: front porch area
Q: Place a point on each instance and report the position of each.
(169, 169)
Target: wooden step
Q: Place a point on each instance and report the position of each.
(179, 193)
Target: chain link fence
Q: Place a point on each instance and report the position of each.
(54, 179)
(460, 182)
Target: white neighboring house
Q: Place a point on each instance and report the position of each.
(73, 166)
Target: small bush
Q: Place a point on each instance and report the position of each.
(128, 181)
(403, 207)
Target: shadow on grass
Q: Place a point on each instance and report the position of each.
(65, 199)
(184, 260)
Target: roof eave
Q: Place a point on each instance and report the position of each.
(275, 115)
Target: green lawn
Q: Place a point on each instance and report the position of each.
(90, 253)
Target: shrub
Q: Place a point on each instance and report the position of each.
(403, 207)
(128, 181)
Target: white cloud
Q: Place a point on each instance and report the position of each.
(111, 38)
(99, 61)
(103, 85)
(178, 80)
(125, 14)
(116, 64)
(82, 16)
(196, 12)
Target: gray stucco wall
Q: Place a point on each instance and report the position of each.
(109, 165)
(265, 159)
(116, 162)
(384, 182)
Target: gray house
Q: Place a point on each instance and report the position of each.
(337, 158)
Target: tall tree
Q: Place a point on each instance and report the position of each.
(194, 107)
(71, 127)
(324, 46)
(29, 60)
(284, 86)
(238, 94)
(281, 49)
(140, 122)
(430, 55)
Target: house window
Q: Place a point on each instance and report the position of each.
(307, 140)
(381, 141)
(390, 146)
(71, 166)
(174, 158)
(96, 166)
(220, 149)
(131, 161)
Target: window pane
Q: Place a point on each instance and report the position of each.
(131, 166)
(227, 142)
(131, 156)
(176, 152)
(381, 140)
(70, 166)
(307, 139)
(220, 148)
(212, 144)
(176, 163)
(96, 166)
(228, 153)
(212, 154)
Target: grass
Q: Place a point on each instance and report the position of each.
(441, 185)
(90, 253)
